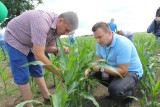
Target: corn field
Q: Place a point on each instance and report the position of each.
(77, 89)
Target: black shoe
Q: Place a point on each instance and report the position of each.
(127, 102)
(47, 101)
(108, 97)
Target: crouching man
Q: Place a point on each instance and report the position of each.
(121, 54)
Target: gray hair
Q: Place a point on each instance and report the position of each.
(70, 18)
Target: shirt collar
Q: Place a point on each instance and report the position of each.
(113, 40)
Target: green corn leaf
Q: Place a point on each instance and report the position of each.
(133, 98)
(157, 87)
(54, 100)
(72, 87)
(109, 67)
(89, 97)
(33, 63)
(29, 101)
(63, 57)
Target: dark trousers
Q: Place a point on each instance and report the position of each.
(119, 88)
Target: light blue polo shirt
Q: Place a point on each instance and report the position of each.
(121, 51)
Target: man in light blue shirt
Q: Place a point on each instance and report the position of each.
(113, 48)
(112, 25)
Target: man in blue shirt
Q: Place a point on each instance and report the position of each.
(71, 38)
(112, 25)
(113, 48)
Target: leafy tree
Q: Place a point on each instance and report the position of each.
(16, 7)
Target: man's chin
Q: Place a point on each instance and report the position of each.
(102, 45)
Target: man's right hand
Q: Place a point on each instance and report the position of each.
(60, 78)
(87, 72)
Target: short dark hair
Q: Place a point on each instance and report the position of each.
(158, 12)
(102, 25)
(70, 18)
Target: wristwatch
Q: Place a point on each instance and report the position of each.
(101, 69)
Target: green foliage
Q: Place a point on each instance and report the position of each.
(33, 86)
(33, 63)
(76, 87)
(29, 101)
(146, 46)
(4, 76)
(16, 7)
(73, 66)
(89, 97)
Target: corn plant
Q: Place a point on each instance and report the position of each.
(33, 86)
(76, 87)
(74, 90)
(4, 77)
(73, 66)
(150, 88)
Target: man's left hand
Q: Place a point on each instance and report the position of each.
(66, 49)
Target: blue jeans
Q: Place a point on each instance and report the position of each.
(17, 59)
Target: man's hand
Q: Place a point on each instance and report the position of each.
(157, 18)
(87, 72)
(66, 49)
(60, 78)
(93, 64)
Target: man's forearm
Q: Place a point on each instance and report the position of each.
(47, 63)
(52, 49)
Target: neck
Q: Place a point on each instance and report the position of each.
(111, 37)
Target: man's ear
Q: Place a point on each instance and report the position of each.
(109, 32)
(60, 20)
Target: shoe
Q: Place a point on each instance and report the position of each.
(127, 102)
(108, 97)
(47, 101)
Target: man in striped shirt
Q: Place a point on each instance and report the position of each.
(27, 37)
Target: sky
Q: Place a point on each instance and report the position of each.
(129, 15)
